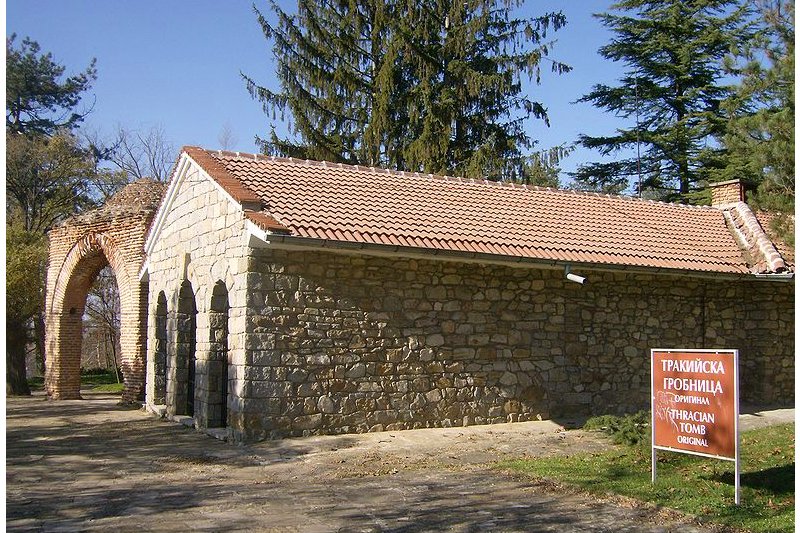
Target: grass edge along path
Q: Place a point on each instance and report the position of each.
(694, 486)
(95, 380)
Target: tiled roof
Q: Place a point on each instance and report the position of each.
(760, 250)
(784, 249)
(337, 202)
(141, 197)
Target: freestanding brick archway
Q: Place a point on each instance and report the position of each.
(112, 235)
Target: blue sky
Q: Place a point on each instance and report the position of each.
(176, 64)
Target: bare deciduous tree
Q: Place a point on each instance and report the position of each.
(139, 154)
(102, 321)
(227, 139)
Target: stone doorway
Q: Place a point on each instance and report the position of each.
(217, 364)
(160, 352)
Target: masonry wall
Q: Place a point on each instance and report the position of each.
(78, 250)
(203, 242)
(339, 343)
(727, 192)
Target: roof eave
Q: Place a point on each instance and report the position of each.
(260, 238)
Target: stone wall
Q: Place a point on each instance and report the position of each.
(338, 343)
(202, 244)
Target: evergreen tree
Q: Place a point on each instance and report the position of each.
(47, 175)
(673, 51)
(38, 101)
(467, 108)
(26, 257)
(47, 179)
(434, 86)
(327, 57)
(542, 167)
(760, 135)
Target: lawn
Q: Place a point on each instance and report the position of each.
(693, 485)
(98, 381)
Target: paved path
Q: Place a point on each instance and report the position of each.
(94, 466)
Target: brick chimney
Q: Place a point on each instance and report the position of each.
(727, 192)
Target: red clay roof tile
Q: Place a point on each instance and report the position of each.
(358, 204)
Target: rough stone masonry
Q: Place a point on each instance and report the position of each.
(341, 343)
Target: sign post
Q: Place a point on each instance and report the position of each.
(695, 404)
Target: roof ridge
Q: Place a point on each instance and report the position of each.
(756, 237)
(448, 178)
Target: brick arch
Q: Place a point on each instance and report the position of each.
(112, 235)
(90, 254)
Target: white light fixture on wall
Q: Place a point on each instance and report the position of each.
(574, 277)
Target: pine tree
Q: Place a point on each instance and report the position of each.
(434, 86)
(760, 134)
(468, 60)
(542, 168)
(46, 180)
(38, 100)
(673, 51)
(327, 58)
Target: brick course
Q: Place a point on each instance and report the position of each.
(78, 249)
(727, 192)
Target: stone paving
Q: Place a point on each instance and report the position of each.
(92, 465)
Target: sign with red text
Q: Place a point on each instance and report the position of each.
(695, 402)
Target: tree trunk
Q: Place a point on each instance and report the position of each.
(16, 375)
(113, 339)
(40, 338)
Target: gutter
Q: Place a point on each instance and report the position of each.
(784, 277)
(259, 238)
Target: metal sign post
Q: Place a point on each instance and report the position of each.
(695, 404)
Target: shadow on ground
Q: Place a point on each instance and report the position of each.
(93, 465)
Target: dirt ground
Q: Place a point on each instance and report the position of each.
(92, 465)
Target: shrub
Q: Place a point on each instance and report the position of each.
(628, 429)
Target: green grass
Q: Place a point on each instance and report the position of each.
(36, 383)
(97, 381)
(94, 379)
(108, 387)
(101, 381)
(693, 485)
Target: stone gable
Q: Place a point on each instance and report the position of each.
(201, 242)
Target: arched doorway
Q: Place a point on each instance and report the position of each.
(112, 235)
(218, 357)
(183, 356)
(160, 352)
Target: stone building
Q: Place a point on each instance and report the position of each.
(290, 297)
